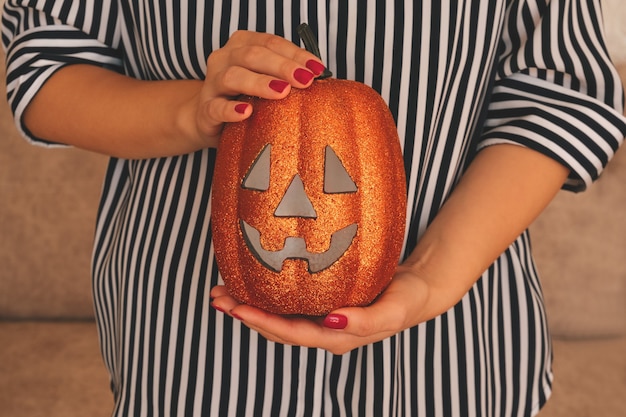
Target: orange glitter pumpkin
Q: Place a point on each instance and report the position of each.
(309, 200)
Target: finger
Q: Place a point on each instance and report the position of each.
(263, 60)
(262, 54)
(219, 291)
(225, 304)
(224, 110)
(298, 331)
(398, 307)
(289, 330)
(237, 80)
(212, 114)
(313, 337)
(369, 323)
(269, 336)
(277, 44)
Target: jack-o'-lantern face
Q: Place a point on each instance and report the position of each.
(309, 199)
(295, 203)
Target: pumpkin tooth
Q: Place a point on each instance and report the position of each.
(295, 248)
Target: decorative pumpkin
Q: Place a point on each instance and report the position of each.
(309, 200)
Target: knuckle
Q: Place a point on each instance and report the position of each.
(287, 68)
(251, 55)
(393, 325)
(215, 57)
(338, 350)
(274, 42)
(238, 36)
(230, 76)
(364, 328)
(302, 55)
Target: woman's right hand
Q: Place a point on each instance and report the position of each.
(94, 108)
(250, 63)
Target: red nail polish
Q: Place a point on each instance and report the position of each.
(241, 108)
(236, 316)
(303, 76)
(220, 309)
(278, 85)
(316, 67)
(336, 321)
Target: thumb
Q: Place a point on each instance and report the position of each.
(374, 320)
(399, 307)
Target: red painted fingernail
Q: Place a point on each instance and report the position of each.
(336, 321)
(241, 108)
(220, 309)
(316, 67)
(235, 315)
(278, 85)
(303, 76)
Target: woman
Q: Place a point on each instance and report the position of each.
(498, 104)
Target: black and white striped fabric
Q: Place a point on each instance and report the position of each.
(457, 75)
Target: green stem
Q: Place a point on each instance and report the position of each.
(310, 44)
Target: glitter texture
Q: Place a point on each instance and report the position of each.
(355, 121)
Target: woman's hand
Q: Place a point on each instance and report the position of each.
(255, 64)
(399, 307)
(501, 193)
(121, 116)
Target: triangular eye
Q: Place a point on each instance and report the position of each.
(336, 178)
(258, 177)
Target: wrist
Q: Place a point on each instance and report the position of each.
(443, 275)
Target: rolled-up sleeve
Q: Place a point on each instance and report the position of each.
(556, 90)
(40, 37)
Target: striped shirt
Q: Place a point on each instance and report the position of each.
(457, 75)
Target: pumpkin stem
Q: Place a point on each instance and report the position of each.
(310, 44)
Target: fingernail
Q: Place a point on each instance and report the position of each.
(220, 309)
(316, 67)
(241, 108)
(278, 85)
(303, 76)
(336, 321)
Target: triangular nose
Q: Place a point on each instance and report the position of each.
(295, 202)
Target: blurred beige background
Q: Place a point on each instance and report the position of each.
(615, 25)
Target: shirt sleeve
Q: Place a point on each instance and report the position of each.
(40, 37)
(556, 90)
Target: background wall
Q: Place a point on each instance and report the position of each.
(615, 25)
(579, 239)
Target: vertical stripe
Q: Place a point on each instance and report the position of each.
(542, 68)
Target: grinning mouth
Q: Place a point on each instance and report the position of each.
(295, 248)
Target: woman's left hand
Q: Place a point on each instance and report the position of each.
(479, 221)
(397, 308)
